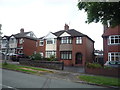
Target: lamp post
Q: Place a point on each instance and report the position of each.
(7, 49)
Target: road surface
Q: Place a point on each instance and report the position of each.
(13, 79)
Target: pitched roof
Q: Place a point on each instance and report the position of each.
(24, 35)
(72, 32)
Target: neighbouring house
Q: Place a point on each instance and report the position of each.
(23, 42)
(111, 43)
(98, 56)
(68, 45)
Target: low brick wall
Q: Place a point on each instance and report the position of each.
(44, 64)
(114, 72)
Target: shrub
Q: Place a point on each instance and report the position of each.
(36, 56)
(93, 65)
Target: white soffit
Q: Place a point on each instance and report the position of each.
(65, 34)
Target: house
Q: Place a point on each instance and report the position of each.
(23, 42)
(111, 43)
(68, 45)
(98, 56)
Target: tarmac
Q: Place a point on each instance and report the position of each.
(69, 73)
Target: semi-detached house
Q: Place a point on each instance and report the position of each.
(68, 45)
(111, 43)
(23, 42)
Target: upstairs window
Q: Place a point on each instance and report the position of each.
(78, 40)
(41, 42)
(49, 41)
(66, 40)
(114, 39)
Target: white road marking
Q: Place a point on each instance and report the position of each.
(8, 86)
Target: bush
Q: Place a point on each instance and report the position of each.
(36, 56)
(93, 65)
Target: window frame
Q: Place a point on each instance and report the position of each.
(66, 55)
(66, 40)
(49, 53)
(114, 40)
(41, 41)
(112, 56)
(78, 40)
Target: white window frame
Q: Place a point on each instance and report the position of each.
(113, 37)
(78, 40)
(41, 41)
(49, 40)
(114, 55)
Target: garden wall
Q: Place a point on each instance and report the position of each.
(44, 64)
(114, 72)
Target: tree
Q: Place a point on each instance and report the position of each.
(106, 12)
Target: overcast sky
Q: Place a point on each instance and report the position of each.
(44, 16)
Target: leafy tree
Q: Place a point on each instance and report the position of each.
(106, 12)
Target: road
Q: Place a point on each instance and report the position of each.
(13, 79)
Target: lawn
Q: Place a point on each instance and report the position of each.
(27, 69)
(101, 80)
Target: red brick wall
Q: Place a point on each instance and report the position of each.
(89, 50)
(29, 46)
(41, 48)
(110, 48)
(79, 48)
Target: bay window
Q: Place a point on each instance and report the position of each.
(66, 55)
(114, 56)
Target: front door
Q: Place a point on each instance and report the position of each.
(78, 58)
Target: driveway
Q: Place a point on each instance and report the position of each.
(74, 69)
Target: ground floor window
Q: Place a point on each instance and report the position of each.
(114, 56)
(49, 53)
(66, 54)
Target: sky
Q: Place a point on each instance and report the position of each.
(44, 16)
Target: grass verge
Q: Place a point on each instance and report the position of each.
(101, 80)
(26, 69)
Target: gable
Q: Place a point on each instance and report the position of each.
(50, 35)
(31, 34)
(12, 37)
(65, 34)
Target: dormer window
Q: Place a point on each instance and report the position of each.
(114, 39)
(78, 40)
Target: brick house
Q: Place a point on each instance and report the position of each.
(23, 42)
(68, 45)
(111, 43)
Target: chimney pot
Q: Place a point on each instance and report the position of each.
(66, 27)
(22, 30)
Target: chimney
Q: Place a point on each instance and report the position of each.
(66, 27)
(22, 30)
(105, 27)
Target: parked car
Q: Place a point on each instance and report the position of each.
(112, 64)
(16, 57)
